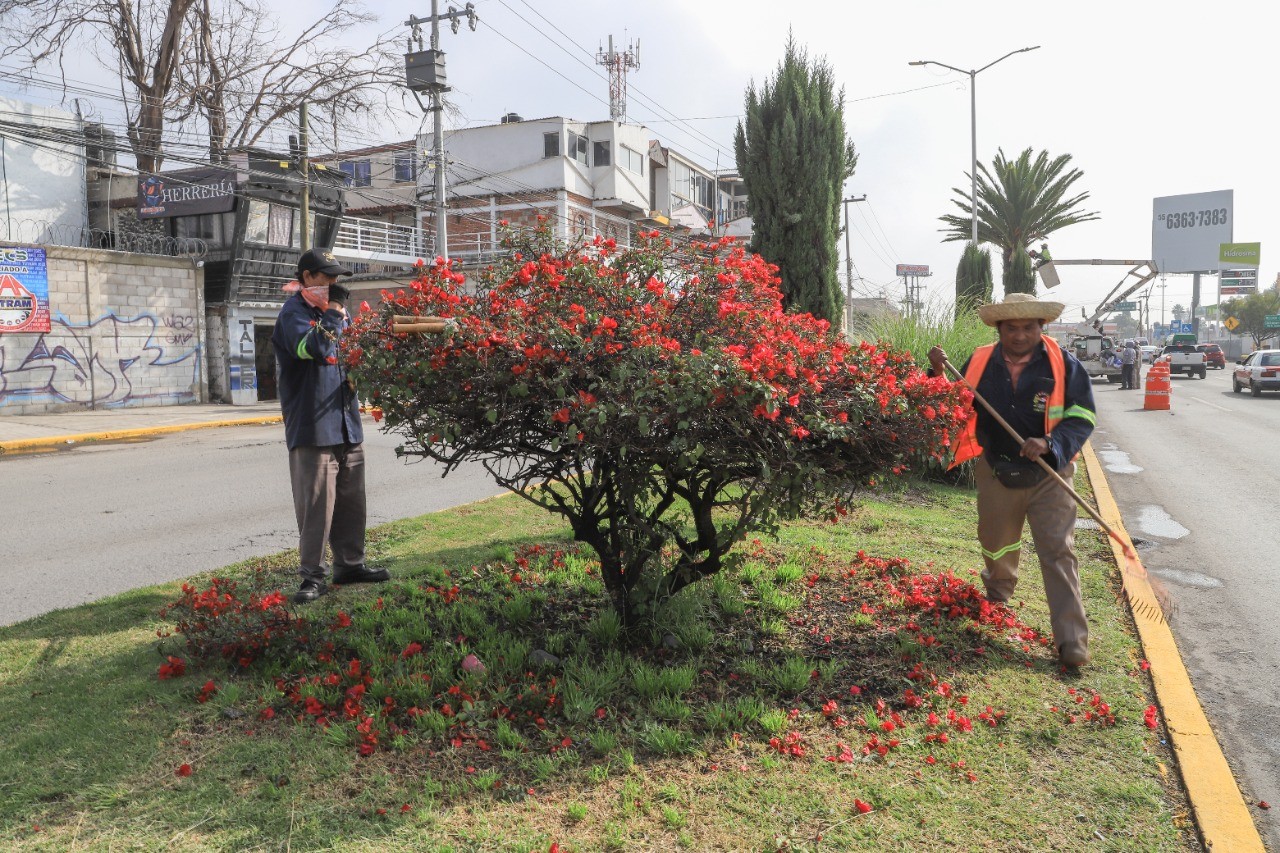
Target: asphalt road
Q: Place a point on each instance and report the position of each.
(100, 519)
(1197, 489)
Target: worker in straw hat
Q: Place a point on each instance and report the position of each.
(1045, 395)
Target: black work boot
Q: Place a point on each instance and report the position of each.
(343, 575)
(310, 590)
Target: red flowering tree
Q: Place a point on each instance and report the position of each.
(659, 399)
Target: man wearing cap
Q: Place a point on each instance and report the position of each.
(321, 427)
(1128, 361)
(1046, 395)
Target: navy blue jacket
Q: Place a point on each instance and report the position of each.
(320, 409)
(1023, 408)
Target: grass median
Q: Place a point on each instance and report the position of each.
(844, 685)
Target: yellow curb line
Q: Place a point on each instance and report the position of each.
(29, 444)
(1220, 811)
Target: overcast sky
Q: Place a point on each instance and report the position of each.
(1150, 99)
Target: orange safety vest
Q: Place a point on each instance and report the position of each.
(967, 446)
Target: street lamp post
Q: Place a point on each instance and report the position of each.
(973, 125)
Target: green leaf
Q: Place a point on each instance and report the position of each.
(491, 416)
(643, 426)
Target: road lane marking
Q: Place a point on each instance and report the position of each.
(1207, 403)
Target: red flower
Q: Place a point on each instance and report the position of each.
(183, 770)
(862, 807)
(173, 669)
(561, 416)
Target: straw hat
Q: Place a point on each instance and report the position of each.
(1020, 306)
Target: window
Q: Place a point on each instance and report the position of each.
(600, 156)
(578, 146)
(273, 224)
(256, 229)
(280, 228)
(551, 144)
(357, 172)
(406, 169)
(630, 160)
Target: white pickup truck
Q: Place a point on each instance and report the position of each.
(1184, 358)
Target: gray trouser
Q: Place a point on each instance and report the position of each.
(1051, 513)
(329, 501)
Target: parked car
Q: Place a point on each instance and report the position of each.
(1149, 353)
(1213, 355)
(1258, 371)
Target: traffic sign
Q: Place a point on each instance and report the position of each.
(1231, 323)
(1271, 321)
(1125, 306)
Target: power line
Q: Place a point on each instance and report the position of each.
(653, 104)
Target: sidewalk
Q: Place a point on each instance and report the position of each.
(25, 433)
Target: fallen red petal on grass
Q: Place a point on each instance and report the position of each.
(862, 807)
(183, 770)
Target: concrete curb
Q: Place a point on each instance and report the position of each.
(1224, 820)
(29, 445)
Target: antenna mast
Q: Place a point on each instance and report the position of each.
(618, 65)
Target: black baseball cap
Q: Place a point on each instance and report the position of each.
(320, 260)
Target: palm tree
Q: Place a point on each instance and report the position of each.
(1019, 202)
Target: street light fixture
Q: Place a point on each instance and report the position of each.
(973, 124)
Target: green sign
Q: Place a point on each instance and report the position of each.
(1126, 306)
(1271, 321)
(1240, 254)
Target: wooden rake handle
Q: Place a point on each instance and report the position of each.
(410, 324)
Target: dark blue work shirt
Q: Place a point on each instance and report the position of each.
(320, 409)
(1023, 407)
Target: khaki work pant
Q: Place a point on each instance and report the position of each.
(1051, 513)
(329, 502)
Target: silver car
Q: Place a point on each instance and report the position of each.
(1258, 371)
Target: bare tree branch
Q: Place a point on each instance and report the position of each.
(215, 58)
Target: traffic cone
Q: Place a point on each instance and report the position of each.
(1158, 389)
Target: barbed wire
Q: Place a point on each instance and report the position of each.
(64, 234)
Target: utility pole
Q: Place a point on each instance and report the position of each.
(618, 65)
(848, 262)
(425, 72)
(304, 225)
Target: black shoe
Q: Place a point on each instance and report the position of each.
(359, 574)
(310, 591)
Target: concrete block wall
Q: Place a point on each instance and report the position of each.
(126, 330)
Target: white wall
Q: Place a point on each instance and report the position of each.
(42, 182)
(508, 158)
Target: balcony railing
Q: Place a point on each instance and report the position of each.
(382, 242)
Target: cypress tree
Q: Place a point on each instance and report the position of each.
(794, 158)
(973, 278)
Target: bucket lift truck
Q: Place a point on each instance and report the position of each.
(1086, 341)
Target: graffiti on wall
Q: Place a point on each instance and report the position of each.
(111, 361)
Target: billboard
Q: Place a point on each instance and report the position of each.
(913, 269)
(24, 289)
(1187, 231)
